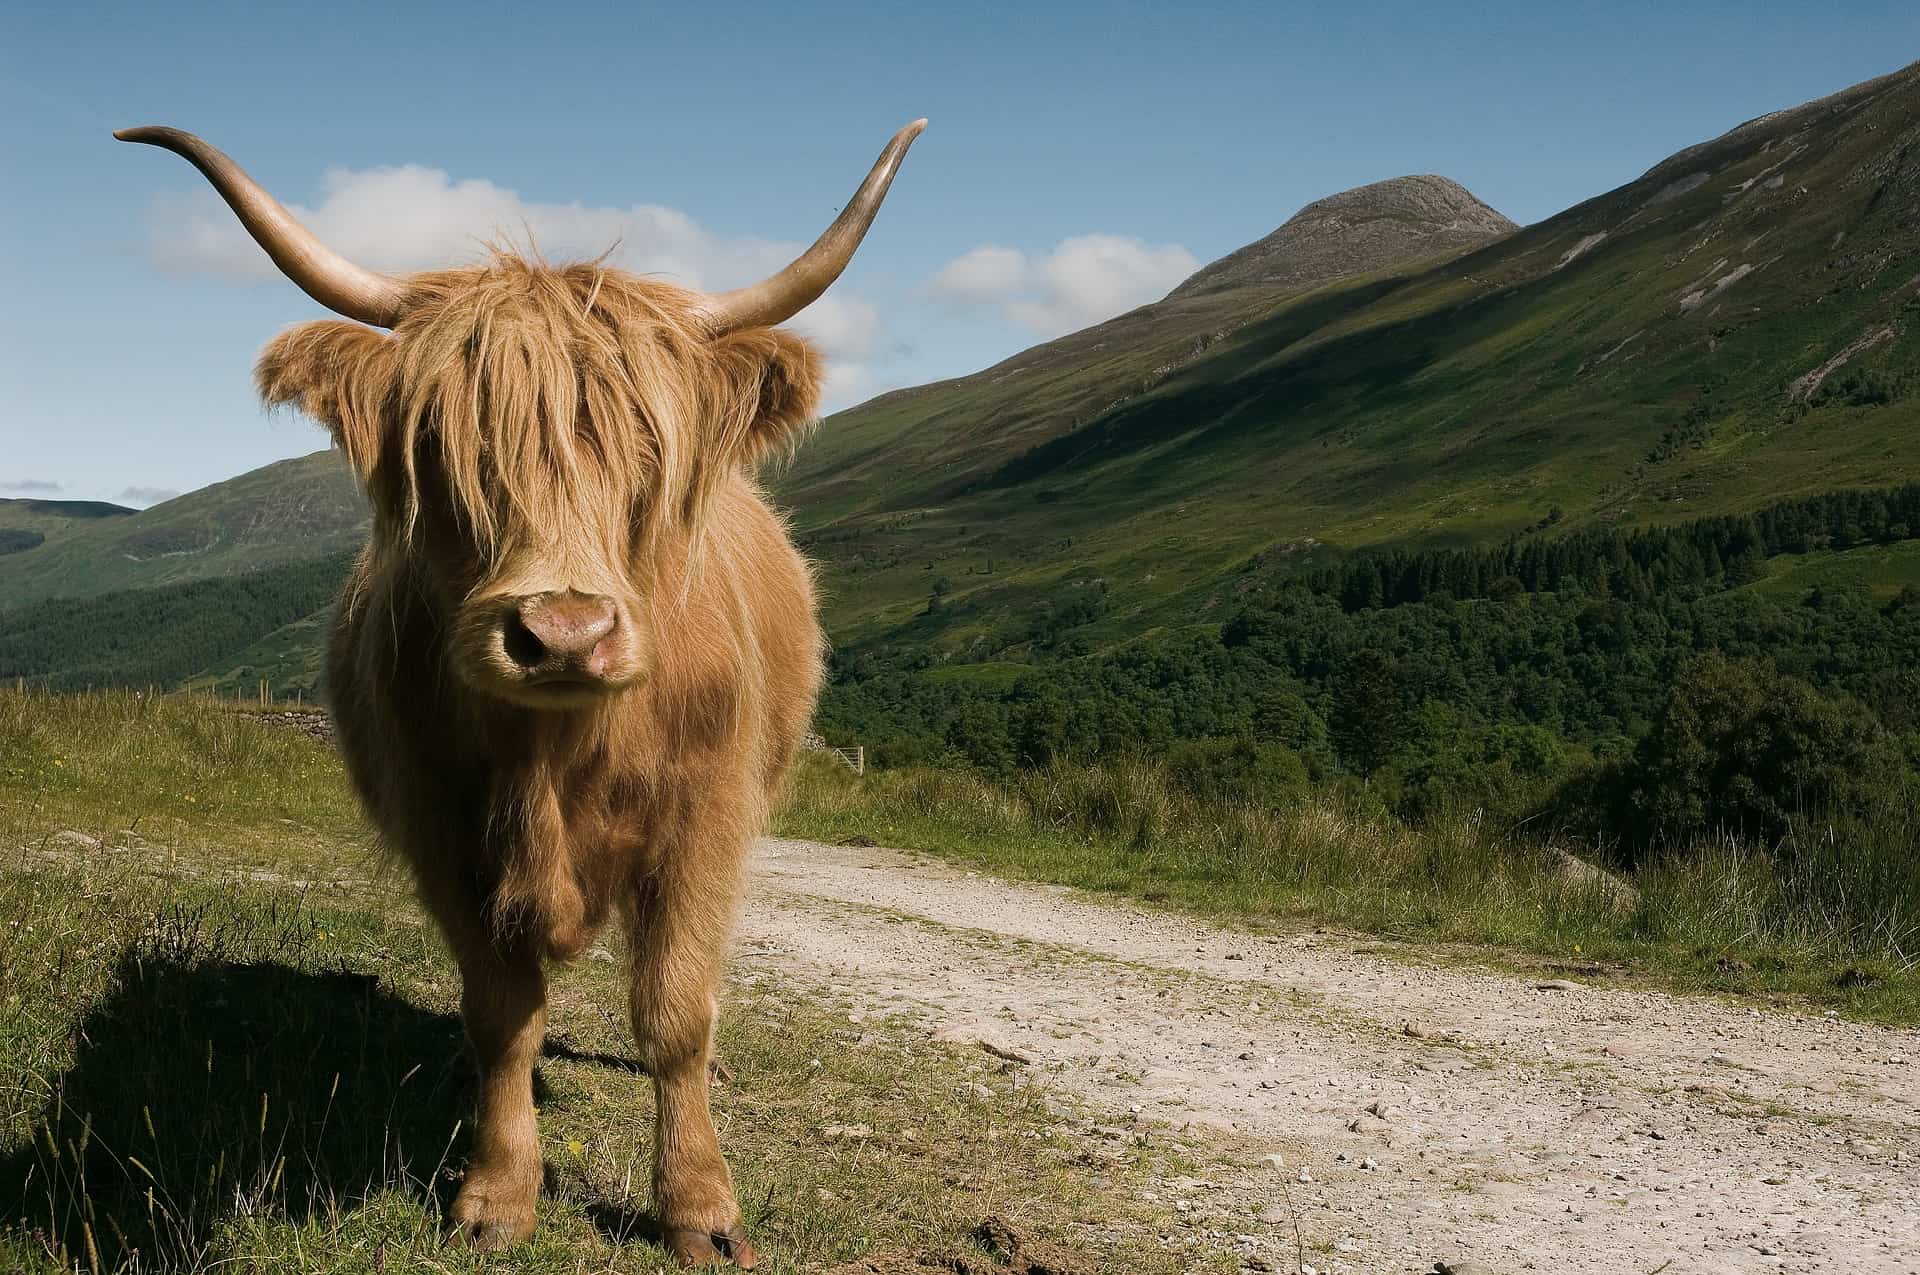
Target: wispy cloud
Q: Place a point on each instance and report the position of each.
(31, 486)
(413, 218)
(144, 496)
(1083, 281)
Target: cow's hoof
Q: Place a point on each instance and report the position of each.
(485, 1223)
(711, 1248)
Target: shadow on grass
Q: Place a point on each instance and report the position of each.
(205, 1090)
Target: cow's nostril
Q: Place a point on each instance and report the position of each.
(522, 645)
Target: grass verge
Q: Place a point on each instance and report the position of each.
(1718, 917)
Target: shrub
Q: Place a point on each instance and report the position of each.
(1744, 748)
(1239, 770)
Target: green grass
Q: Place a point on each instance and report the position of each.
(1839, 929)
(1883, 569)
(228, 1040)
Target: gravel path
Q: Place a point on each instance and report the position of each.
(1556, 1128)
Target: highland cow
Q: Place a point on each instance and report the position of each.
(579, 650)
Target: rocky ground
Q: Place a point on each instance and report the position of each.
(1351, 1108)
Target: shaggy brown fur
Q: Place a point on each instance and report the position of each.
(529, 431)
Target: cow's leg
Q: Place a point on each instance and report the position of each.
(679, 932)
(503, 1001)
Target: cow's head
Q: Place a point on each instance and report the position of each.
(539, 443)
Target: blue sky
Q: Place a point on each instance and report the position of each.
(1095, 152)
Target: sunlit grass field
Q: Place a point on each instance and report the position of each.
(229, 1041)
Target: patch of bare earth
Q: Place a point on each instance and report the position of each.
(1397, 1115)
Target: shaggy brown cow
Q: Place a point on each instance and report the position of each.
(579, 650)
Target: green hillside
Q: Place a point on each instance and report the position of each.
(194, 630)
(1732, 328)
(28, 524)
(292, 511)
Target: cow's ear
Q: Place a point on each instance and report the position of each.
(771, 382)
(340, 374)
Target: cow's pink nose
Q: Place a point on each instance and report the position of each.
(555, 630)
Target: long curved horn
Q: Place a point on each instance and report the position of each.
(779, 297)
(322, 273)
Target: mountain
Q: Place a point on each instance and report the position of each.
(1394, 367)
(1356, 232)
(1733, 327)
(291, 511)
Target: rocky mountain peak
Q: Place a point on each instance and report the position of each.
(1358, 231)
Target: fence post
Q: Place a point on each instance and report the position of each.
(859, 759)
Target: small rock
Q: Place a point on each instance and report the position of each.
(1557, 985)
(1246, 1057)
(981, 1036)
(72, 839)
(847, 1132)
(1369, 1164)
(1379, 1110)
(1577, 873)
(600, 954)
(1305, 1176)
(1273, 1161)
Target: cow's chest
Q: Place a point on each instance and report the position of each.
(559, 856)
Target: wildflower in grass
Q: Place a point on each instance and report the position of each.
(575, 1147)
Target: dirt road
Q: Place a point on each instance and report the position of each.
(1568, 1128)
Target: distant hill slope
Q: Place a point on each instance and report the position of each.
(285, 512)
(205, 630)
(1733, 327)
(29, 523)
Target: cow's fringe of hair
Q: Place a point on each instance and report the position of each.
(518, 368)
(537, 384)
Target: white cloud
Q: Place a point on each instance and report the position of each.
(1083, 281)
(31, 486)
(415, 218)
(144, 496)
(988, 273)
(844, 327)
